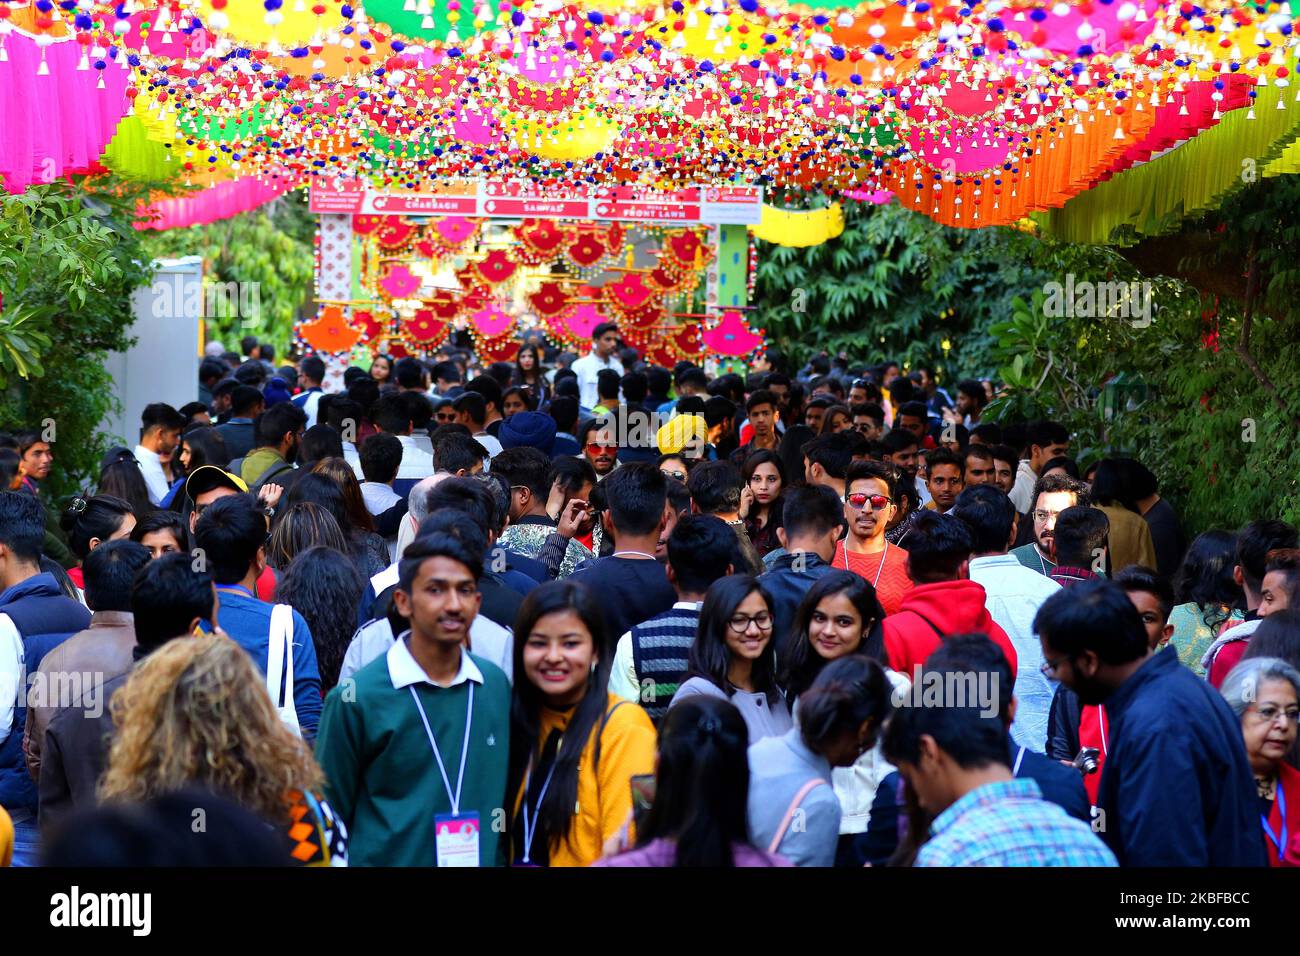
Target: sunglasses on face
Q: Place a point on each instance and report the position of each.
(596, 449)
(859, 501)
(679, 475)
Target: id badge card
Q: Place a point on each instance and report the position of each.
(457, 837)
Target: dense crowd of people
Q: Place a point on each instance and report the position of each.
(813, 617)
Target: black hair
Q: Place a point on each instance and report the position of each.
(446, 372)
(803, 663)
(109, 571)
(635, 387)
(244, 399)
(715, 486)
(364, 391)
(381, 456)
(701, 784)
(555, 810)
(189, 410)
(790, 449)
(1136, 577)
(699, 550)
(455, 450)
(1008, 454)
(525, 467)
(439, 544)
(942, 456)
(408, 372)
(760, 397)
(1255, 541)
(160, 415)
(1080, 534)
(989, 514)
(1071, 468)
(1093, 616)
(469, 499)
(340, 412)
(1205, 577)
(693, 377)
(603, 327)
(488, 388)
(833, 452)
(10, 462)
(1044, 434)
(974, 389)
(207, 447)
(156, 521)
(970, 737)
(911, 410)
(301, 526)
(313, 368)
(418, 407)
(524, 393)
(565, 412)
(519, 375)
(472, 404)
(718, 409)
(320, 442)
(1278, 635)
(390, 414)
(811, 509)
(990, 433)
(870, 410)
(325, 587)
(710, 657)
(322, 490)
(967, 656)
(572, 474)
(636, 497)
(166, 596)
(1055, 484)
(846, 694)
(607, 383)
(99, 516)
(863, 470)
(900, 439)
(937, 544)
(765, 456)
(690, 405)
(230, 531)
(252, 374)
(123, 480)
(277, 421)
(211, 370)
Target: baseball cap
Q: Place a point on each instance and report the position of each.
(207, 477)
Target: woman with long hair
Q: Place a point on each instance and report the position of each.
(518, 398)
(836, 418)
(574, 746)
(203, 445)
(733, 656)
(322, 584)
(162, 532)
(123, 479)
(196, 712)
(791, 451)
(840, 717)
(1208, 596)
(761, 500)
(840, 615)
(89, 522)
(697, 816)
(381, 368)
(530, 372)
(302, 526)
(326, 488)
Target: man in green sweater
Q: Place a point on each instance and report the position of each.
(415, 746)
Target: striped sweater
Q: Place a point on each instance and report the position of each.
(660, 648)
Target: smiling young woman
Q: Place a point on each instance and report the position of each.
(574, 747)
(839, 616)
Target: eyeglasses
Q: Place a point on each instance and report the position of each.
(596, 449)
(1048, 667)
(740, 622)
(1268, 713)
(679, 475)
(1044, 515)
(859, 501)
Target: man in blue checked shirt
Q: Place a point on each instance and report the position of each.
(956, 760)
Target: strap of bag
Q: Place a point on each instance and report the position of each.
(803, 791)
(600, 732)
(9, 635)
(275, 655)
(927, 621)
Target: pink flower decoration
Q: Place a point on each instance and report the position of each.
(731, 336)
(400, 283)
(455, 229)
(582, 320)
(492, 321)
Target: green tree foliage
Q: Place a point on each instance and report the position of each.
(267, 253)
(894, 285)
(69, 261)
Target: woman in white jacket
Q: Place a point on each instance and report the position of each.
(840, 615)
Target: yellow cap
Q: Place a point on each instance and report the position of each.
(683, 434)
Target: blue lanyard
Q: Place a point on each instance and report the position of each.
(1280, 842)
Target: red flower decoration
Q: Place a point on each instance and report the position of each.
(550, 299)
(543, 235)
(630, 292)
(496, 267)
(587, 249)
(369, 326)
(424, 327)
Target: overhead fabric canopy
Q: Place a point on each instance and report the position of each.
(973, 114)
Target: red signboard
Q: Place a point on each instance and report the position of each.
(421, 205)
(538, 208)
(328, 199)
(649, 212)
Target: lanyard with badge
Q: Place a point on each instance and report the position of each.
(1278, 841)
(456, 834)
(530, 825)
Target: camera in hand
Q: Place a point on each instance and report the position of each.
(1086, 760)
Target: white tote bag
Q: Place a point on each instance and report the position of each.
(279, 666)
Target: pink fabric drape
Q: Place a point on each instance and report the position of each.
(57, 124)
(216, 202)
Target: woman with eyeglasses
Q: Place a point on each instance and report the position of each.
(761, 499)
(871, 493)
(1264, 693)
(733, 656)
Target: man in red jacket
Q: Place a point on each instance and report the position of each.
(944, 601)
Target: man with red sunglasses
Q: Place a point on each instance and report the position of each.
(599, 446)
(869, 505)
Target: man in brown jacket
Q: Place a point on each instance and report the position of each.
(78, 669)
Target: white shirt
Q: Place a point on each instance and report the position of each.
(1022, 492)
(11, 674)
(379, 497)
(309, 402)
(1013, 594)
(416, 463)
(622, 676)
(374, 639)
(351, 456)
(404, 670)
(586, 368)
(492, 445)
(152, 470)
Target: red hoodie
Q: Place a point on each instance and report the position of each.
(953, 607)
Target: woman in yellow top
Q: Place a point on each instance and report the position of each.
(574, 747)
(6, 838)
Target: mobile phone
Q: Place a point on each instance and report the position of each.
(643, 792)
